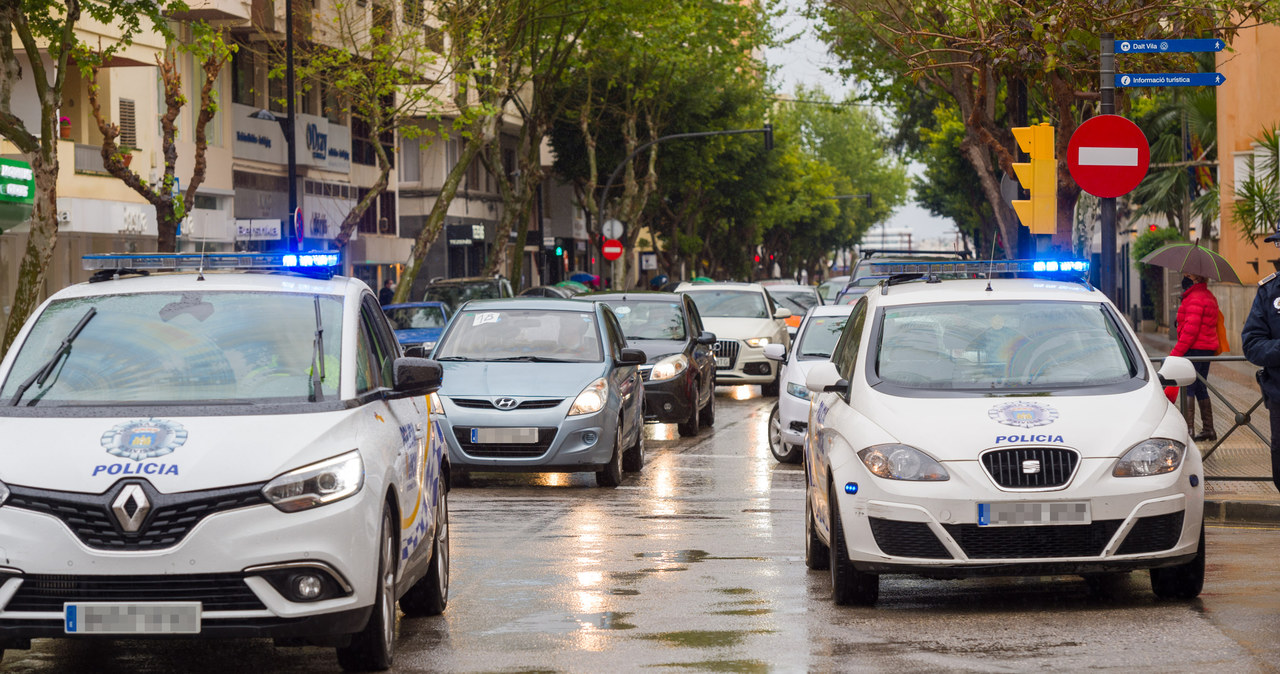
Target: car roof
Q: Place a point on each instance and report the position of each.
(545, 303)
(428, 303)
(830, 310)
(464, 279)
(719, 285)
(633, 295)
(229, 281)
(794, 289)
(921, 291)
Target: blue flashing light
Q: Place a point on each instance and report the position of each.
(981, 268)
(309, 262)
(851, 487)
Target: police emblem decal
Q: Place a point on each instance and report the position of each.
(1276, 303)
(144, 438)
(1023, 415)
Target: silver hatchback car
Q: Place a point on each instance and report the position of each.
(541, 385)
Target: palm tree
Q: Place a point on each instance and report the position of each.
(1257, 195)
(1184, 127)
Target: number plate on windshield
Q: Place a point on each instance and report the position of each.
(135, 618)
(1022, 514)
(504, 436)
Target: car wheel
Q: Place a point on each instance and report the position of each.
(781, 451)
(1184, 581)
(690, 426)
(816, 555)
(770, 390)
(709, 410)
(849, 586)
(372, 648)
(611, 474)
(430, 595)
(633, 459)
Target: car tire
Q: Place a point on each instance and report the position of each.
(611, 474)
(690, 427)
(633, 459)
(816, 554)
(849, 586)
(372, 649)
(781, 451)
(430, 594)
(770, 390)
(709, 410)
(1184, 581)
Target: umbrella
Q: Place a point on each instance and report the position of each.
(574, 285)
(1192, 258)
(702, 279)
(584, 277)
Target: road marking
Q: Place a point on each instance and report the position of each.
(1108, 156)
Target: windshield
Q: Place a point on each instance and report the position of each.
(522, 334)
(454, 294)
(799, 299)
(412, 318)
(180, 348)
(650, 320)
(729, 303)
(1002, 345)
(820, 336)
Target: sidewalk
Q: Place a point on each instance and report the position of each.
(1245, 451)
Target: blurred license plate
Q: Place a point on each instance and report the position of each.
(722, 362)
(504, 436)
(137, 618)
(1021, 514)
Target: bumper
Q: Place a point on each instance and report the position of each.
(793, 413)
(670, 401)
(581, 443)
(750, 367)
(219, 563)
(932, 529)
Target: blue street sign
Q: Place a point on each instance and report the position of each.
(1169, 79)
(1164, 46)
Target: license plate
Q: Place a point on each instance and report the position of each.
(504, 436)
(722, 362)
(1022, 514)
(135, 618)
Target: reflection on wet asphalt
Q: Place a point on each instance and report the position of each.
(696, 564)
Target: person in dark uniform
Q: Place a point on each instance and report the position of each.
(387, 294)
(1261, 340)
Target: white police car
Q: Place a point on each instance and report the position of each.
(817, 336)
(1001, 426)
(213, 454)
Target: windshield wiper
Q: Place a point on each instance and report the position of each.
(317, 356)
(528, 359)
(42, 374)
(454, 358)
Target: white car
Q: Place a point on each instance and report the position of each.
(219, 454)
(744, 319)
(1001, 426)
(789, 419)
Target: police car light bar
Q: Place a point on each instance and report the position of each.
(310, 261)
(982, 268)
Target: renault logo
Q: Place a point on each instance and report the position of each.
(506, 403)
(1030, 467)
(131, 508)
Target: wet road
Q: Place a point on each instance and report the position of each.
(697, 565)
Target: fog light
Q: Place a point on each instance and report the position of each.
(666, 407)
(589, 437)
(307, 586)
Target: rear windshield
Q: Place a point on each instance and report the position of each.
(650, 320)
(729, 303)
(533, 335)
(411, 318)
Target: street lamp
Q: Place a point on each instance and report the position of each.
(286, 122)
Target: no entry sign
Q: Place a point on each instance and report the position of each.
(1108, 156)
(612, 249)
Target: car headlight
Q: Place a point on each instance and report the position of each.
(902, 462)
(797, 390)
(669, 367)
(315, 485)
(433, 400)
(759, 342)
(592, 398)
(1150, 457)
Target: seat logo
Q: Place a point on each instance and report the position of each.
(506, 403)
(1030, 467)
(131, 508)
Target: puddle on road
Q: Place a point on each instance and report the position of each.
(607, 620)
(719, 665)
(623, 592)
(704, 638)
(734, 590)
(745, 611)
(676, 557)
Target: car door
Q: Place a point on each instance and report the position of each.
(827, 410)
(626, 378)
(704, 357)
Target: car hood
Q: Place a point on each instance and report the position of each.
(543, 380)
(959, 428)
(741, 328)
(176, 454)
(654, 349)
(418, 335)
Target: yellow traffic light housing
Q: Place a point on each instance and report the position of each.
(1040, 177)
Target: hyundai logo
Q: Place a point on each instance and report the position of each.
(131, 508)
(1030, 467)
(506, 403)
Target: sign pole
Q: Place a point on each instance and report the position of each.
(1108, 233)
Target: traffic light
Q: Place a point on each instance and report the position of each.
(559, 246)
(1152, 227)
(1040, 177)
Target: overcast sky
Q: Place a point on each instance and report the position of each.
(802, 62)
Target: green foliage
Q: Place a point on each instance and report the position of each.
(1148, 242)
(1257, 194)
(949, 187)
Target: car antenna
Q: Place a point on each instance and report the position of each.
(200, 271)
(991, 262)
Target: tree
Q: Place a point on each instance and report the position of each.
(212, 52)
(49, 26)
(1257, 194)
(950, 187)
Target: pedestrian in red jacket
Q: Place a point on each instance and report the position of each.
(1197, 324)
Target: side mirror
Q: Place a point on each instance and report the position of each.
(417, 351)
(775, 352)
(824, 377)
(782, 312)
(1177, 370)
(632, 357)
(707, 338)
(417, 376)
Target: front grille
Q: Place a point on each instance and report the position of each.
(1033, 542)
(215, 591)
(1153, 534)
(907, 539)
(726, 348)
(483, 404)
(89, 516)
(1053, 467)
(504, 451)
